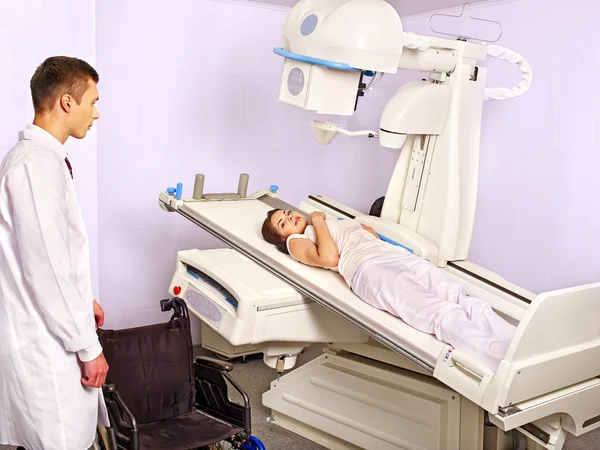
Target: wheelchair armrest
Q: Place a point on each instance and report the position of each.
(116, 407)
(109, 387)
(214, 363)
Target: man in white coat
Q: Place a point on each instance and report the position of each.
(51, 362)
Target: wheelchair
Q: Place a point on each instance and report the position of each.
(158, 397)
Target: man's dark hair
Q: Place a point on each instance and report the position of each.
(58, 75)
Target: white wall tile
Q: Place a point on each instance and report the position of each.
(137, 266)
(572, 259)
(192, 111)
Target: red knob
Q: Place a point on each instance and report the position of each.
(176, 290)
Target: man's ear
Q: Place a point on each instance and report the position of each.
(65, 102)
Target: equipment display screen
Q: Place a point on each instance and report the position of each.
(204, 306)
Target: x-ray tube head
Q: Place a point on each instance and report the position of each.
(318, 88)
(360, 34)
(328, 45)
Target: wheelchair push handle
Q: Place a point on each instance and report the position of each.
(176, 304)
(109, 387)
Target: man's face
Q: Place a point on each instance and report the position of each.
(83, 115)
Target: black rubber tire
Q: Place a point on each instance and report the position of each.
(102, 439)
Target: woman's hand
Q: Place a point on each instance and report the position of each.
(317, 215)
(370, 230)
(322, 254)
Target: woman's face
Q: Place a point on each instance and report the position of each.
(288, 222)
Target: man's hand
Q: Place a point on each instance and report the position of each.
(94, 372)
(317, 215)
(98, 314)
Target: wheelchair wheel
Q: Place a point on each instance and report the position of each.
(215, 446)
(254, 444)
(102, 439)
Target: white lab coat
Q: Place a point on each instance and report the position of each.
(47, 322)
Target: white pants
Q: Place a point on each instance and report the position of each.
(429, 300)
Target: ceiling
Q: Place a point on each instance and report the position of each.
(404, 7)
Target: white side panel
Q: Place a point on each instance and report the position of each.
(213, 342)
(574, 409)
(559, 330)
(370, 405)
(304, 323)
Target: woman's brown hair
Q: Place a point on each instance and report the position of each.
(271, 235)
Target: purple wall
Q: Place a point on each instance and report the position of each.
(191, 86)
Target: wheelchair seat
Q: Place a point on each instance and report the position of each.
(158, 397)
(191, 430)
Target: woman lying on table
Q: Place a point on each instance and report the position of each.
(392, 279)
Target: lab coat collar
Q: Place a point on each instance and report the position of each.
(42, 137)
